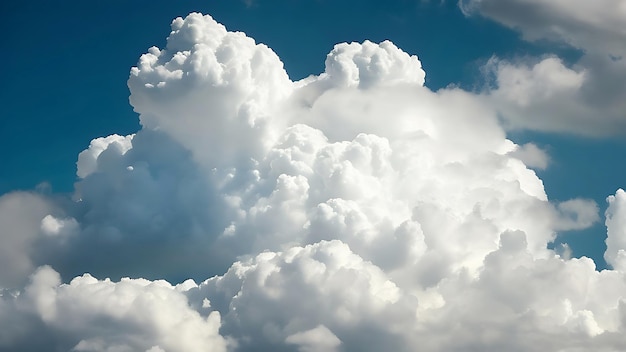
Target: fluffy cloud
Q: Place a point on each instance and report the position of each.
(92, 315)
(354, 210)
(615, 222)
(531, 155)
(146, 203)
(322, 290)
(204, 68)
(547, 94)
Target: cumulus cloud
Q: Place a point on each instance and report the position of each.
(314, 297)
(577, 214)
(354, 210)
(92, 315)
(546, 94)
(204, 68)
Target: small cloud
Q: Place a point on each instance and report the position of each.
(577, 214)
(318, 339)
(531, 155)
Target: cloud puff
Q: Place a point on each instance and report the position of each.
(547, 94)
(316, 339)
(369, 64)
(279, 298)
(215, 92)
(92, 315)
(531, 155)
(616, 240)
(354, 210)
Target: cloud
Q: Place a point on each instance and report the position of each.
(20, 217)
(531, 155)
(145, 202)
(130, 315)
(615, 253)
(354, 210)
(316, 339)
(546, 94)
(369, 64)
(594, 26)
(204, 68)
(279, 298)
(577, 214)
(88, 159)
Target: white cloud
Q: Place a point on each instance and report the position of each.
(52, 226)
(131, 315)
(368, 64)
(531, 155)
(549, 96)
(279, 298)
(354, 210)
(88, 159)
(576, 214)
(546, 94)
(317, 339)
(215, 92)
(615, 254)
(147, 206)
(525, 86)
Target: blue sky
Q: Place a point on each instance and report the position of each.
(313, 175)
(69, 63)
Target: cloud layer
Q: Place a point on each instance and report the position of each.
(546, 93)
(354, 210)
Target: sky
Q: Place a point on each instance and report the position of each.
(313, 176)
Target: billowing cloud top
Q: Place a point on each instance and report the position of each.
(354, 210)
